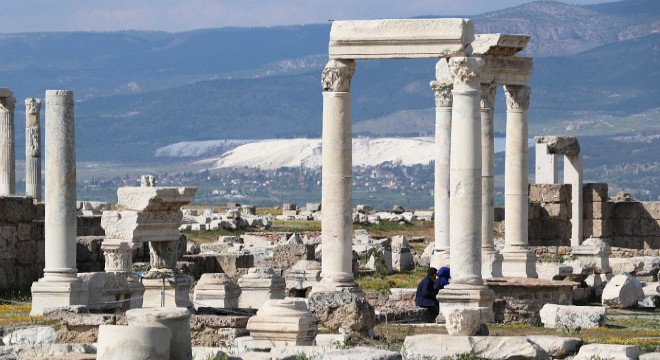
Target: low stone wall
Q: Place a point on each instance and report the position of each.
(549, 214)
(21, 243)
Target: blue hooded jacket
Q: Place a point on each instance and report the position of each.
(442, 279)
(425, 295)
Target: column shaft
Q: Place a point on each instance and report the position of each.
(573, 176)
(32, 148)
(60, 217)
(545, 165)
(7, 149)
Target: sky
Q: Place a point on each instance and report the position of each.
(182, 15)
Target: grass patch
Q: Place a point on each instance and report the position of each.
(380, 283)
(14, 314)
(389, 229)
(297, 226)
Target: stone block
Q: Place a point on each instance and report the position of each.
(462, 321)
(259, 285)
(651, 209)
(176, 319)
(627, 209)
(559, 211)
(556, 193)
(89, 226)
(557, 347)
(360, 353)
(489, 347)
(535, 193)
(346, 310)
(287, 255)
(607, 351)
(216, 290)
(622, 291)
(17, 209)
(133, 342)
(35, 335)
(559, 316)
(599, 210)
(281, 323)
(592, 192)
(597, 228)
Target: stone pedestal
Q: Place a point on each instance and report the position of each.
(259, 285)
(519, 260)
(133, 342)
(402, 259)
(33, 148)
(177, 320)
(304, 275)
(593, 253)
(442, 87)
(60, 286)
(7, 147)
(337, 186)
(150, 214)
(216, 290)
(280, 323)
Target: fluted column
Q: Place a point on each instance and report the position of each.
(33, 148)
(7, 149)
(60, 285)
(491, 260)
(442, 87)
(466, 286)
(337, 179)
(519, 260)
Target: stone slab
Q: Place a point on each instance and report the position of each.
(499, 44)
(489, 347)
(399, 38)
(607, 351)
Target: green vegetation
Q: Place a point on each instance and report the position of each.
(382, 283)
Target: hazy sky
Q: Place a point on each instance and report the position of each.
(180, 15)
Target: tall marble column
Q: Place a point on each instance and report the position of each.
(519, 260)
(7, 149)
(33, 148)
(466, 287)
(60, 285)
(337, 178)
(491, 260)
(442, 87)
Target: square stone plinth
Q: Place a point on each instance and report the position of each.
(47, 293)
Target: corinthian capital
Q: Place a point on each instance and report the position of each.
(488, 91)
(337, 75)
(517, 97)
(442, 92)
(465, 70)
(7, 104)
(32, 106)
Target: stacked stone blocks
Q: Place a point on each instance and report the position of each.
(550, 214)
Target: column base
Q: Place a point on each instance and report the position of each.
(57, 291)
(440, 258)
(473, 296)
(491, 263)
(519, 262)
(172, 291)
(341, 282)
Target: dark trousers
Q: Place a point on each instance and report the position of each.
(434, 309)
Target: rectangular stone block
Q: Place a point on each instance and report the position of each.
(599, 210)
(628, 242)
(556, 192)
(15, 209)
(595, 192)
(646, 227)
(651, 209)
(399, 38)
(534, 211)
(535, 193)
(627, 209)
(559, 211)
(597, 228)
(652, 242)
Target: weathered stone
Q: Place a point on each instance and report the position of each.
(559, 316)
(287, 255)
(622, 291)
(593, 192)
(565, 145)
(557, 347)
(177, 320)
(461, 321)
(342, 309)
(216, 290)
(593, 253)
(420, 347)
(360, 353)
(607, 351)
(134, 342)
(36, 335)
(283, 322)
(304, 275)
(259, 285)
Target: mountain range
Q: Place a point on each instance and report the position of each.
(596, 72)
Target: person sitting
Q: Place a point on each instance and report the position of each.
(426, 292)
(442, 279)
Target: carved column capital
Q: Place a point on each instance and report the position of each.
(517, 97)
(337, 75)
(7, 104)
(33, 106)
(442, 92)
(488, 91)
(465, 70)
(118, 256)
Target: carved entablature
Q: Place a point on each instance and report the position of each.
(442, 93)
(488, 91)
(509, 70)
(7, 104)
(32, 106)
(517, 97)
(465, 70)
(337, 75)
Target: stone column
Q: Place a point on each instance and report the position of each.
(60, 285)
(33, 148)
(442, 87)
(545, 165)
(337, 186)
(466, 287)
(491, 260)
(573, 176)
(7, 150)
(519, 260)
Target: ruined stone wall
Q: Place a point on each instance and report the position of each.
(549, 214)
